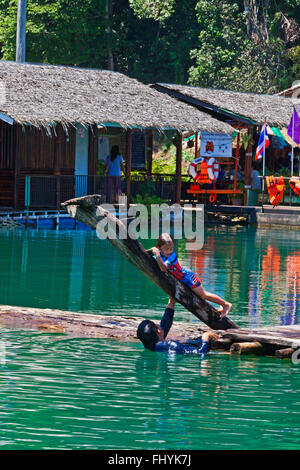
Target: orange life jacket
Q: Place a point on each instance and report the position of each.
(202, 177)
(276, 189)
(295, 184)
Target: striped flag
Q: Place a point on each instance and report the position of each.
(263, 142)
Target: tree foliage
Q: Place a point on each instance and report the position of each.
(57, 31)
(158, 10)
(250, 45)
(242, 48)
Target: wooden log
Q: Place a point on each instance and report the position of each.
(75, 324)
(221, 343)
(248, 348)
(280, 336)
(88, 210)
(284, 353)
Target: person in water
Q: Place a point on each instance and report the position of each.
(167, 261)
(153, 336)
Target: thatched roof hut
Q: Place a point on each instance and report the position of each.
(277, 110)
(41, 95)
(292, 92)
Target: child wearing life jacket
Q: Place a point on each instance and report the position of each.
(167, 261)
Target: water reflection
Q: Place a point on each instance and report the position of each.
(263, 268)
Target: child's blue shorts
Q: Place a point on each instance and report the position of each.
(190, 279)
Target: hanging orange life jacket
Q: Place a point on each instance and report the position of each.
(276, 189)
(295, 184)
(202, 177)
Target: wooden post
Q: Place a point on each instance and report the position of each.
(178, 167)
(237, 153)
(149, 151)
(128, 164)
(93, 150)
(16, 165)
(21, 32)
(248, 166)
(56, 168)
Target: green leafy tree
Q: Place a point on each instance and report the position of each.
(152, 50)
(215, 44)
(242, 51)
(57, 31)
(227, 57)
(158, 10)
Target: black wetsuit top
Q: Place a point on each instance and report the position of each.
(200, 347)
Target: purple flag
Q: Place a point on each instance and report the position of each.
(294, 123)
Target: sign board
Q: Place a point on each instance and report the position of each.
(215, 145)
(138, 149)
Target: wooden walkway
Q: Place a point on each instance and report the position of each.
(274, 340)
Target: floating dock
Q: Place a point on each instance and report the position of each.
(279, 341)
(268, 216)
(288, 216)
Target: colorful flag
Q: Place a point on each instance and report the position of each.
(294, 123)
(263, 142)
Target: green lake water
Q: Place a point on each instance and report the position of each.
(59, 392)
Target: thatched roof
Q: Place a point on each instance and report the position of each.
(275, 109)
(44, 94)
(293, 92)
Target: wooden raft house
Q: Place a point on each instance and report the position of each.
(245, 112)
(58, 124)
(280, 341)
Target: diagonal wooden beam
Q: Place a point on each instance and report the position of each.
(88, 210)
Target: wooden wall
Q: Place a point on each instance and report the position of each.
(7, 163)
(39, 153)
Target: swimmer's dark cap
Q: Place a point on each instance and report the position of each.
(147, 333)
